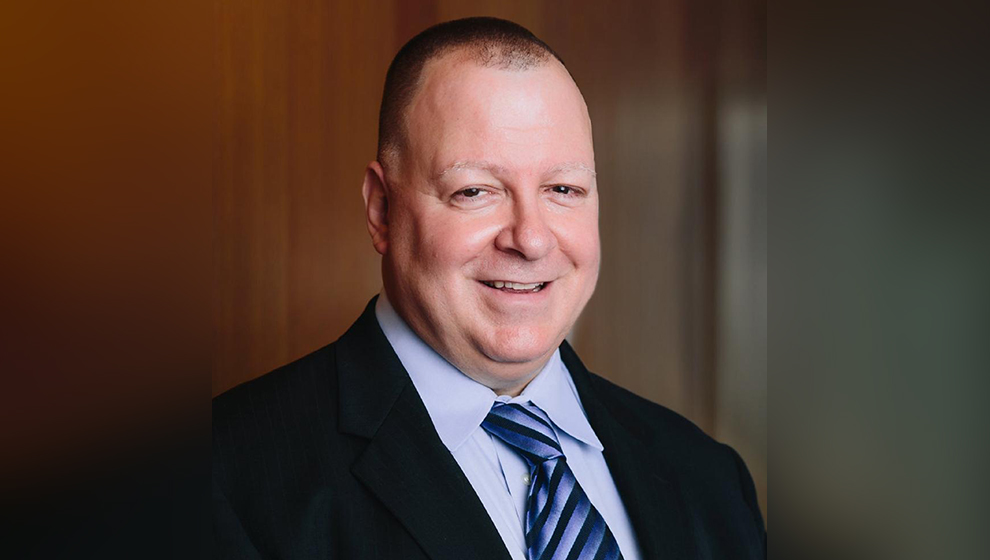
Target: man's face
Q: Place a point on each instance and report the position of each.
(496, 188)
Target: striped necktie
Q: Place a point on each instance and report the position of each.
(561, 522)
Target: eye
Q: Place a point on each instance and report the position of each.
(566, 191)
(473, 197)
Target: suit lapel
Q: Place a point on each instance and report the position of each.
(406, 466)
(648, 489)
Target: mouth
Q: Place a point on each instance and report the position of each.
(515, 287)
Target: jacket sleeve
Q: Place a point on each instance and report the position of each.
(749, 495)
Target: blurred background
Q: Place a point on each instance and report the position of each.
(677, 95)
(180, 212)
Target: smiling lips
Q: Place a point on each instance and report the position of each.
(516, 287)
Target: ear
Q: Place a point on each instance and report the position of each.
(376, 205)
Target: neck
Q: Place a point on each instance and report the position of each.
(504, 378)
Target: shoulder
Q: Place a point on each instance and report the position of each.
(711, 473)
(274, 420)
(683, 449)
(302, 382)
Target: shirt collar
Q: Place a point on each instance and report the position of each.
(458, 404)
(553, 391)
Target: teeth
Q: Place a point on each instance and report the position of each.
(515, 285)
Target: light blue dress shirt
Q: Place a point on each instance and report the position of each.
(458, 404)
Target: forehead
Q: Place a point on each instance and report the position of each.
(518, 119)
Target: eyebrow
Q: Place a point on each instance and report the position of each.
(479, 165)
(572, 166)
(496, 169)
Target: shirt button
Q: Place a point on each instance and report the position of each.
(525, 479)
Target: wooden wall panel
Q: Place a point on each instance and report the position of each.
(298, 84)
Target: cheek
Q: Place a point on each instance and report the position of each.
(447, 240)
(579, 240)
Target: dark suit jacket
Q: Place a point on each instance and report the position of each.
(335, 456)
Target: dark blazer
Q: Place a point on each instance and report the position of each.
(335, 456)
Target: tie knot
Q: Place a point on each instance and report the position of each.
(524, 428)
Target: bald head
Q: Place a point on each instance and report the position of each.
(493, 185)
(485, 41)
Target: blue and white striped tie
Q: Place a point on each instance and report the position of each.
(561, 522)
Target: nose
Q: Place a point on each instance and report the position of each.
(527, 232)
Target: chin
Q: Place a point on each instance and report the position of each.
(520, 345)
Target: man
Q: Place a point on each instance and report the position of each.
(452, 420)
